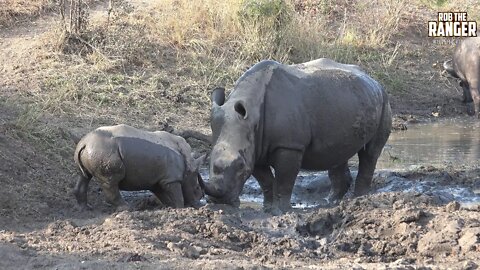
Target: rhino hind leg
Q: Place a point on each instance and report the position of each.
(369, 155)
(341, 180)
(80, 191)
(170, 194)
(111, 189)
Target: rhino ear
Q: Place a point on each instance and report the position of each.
(240, 109)
(218, 96)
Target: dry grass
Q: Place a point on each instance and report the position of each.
(12, 11)
(152, 65)
(177, 50)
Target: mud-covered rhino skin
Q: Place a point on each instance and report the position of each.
(465, 66)
(313, 116)
(125, 158)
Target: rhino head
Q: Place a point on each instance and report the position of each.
(232, 157)
(193, 186)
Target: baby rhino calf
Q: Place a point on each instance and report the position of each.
(125, 158)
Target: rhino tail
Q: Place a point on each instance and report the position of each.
(78, 159)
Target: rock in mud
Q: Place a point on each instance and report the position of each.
(409, 215)
(135, 257)
(452, 206)
(469, 265)
(470, 239)
(320, 224)
(184, 250)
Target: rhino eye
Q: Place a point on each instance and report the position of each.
(217, 169)
(240, 109)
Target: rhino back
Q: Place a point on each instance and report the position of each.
(173, 142)
(329, 114)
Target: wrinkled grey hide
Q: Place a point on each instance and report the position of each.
(125, 158)
(312, 116)
(465, 66)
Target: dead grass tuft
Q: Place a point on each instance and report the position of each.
(12, 11)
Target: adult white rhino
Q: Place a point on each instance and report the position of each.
(313, 116)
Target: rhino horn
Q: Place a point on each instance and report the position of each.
(218, 96)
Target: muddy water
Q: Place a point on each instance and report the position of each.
(448, 142)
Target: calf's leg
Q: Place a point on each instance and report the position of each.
(110, 187)
(80, 191)
(170, 194)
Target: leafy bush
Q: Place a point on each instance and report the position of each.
(276, 13)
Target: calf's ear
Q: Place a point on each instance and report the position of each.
(218, 96)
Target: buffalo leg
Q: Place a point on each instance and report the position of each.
(80, 191)
(286, 163)
(474, 88)
(341, 179)
(467, 97)
(170, 194)
(265, 179)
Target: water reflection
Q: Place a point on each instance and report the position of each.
(450, 141)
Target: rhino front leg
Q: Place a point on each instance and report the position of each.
(265, 179)
(170, 194)
(286, 163)
(80, 191)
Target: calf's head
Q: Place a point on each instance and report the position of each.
(193, 187)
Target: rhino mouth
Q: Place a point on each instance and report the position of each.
(220, 195)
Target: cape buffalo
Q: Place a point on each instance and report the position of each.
(312, 116)
(465, 65)
(125, 158)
